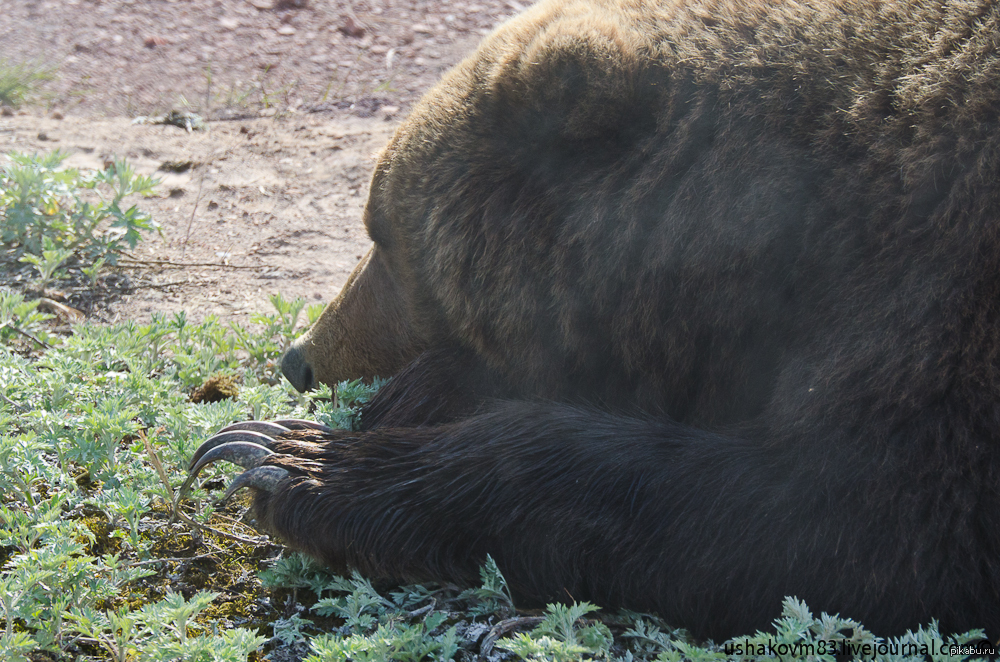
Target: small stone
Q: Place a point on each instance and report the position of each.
(286, 30)
(229, 23)
(420, 27)
(351, 28)
(263, 4)
(56, 115)
(389, 111)
(176, 166)
(43, 136)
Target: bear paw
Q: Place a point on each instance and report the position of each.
(249, 444)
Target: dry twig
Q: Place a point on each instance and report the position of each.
(197, 199)
(26, 335)
(503, 627)
(183, 265)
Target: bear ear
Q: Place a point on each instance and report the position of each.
(579, 80)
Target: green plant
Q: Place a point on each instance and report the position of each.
(407, 643)
(494, 595)
(20, 320)
(360, 609)
(93, 270)
(161, 632)
(289, 630)
(798, 635)
(51, 214)
(269, 97)
(115, 631)
(238, 96)
(385, 87)
(50, 260)
(80, 426)
(559, 637)
(341, 407)
(18, 81)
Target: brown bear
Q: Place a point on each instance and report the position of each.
(691, 305)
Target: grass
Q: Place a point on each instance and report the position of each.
(100, 561)
(19, 81)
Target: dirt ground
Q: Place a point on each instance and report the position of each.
(299, 96)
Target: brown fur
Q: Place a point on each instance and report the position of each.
(773, 227)
(365, 331)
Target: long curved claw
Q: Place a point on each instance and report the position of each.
(247, 444)
(228, 437)
(302, 424)
(247, 454)
(264, 478)
(271, 429)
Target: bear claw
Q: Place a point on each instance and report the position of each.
(302, 424)
(265, 478)
(224, 437)
(247, 454)
(270, 428)
(246, 444)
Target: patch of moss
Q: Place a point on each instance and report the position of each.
(215, 389)
(103, 542)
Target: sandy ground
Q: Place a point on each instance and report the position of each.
(299, 97)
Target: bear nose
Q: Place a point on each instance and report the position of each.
(297, 370)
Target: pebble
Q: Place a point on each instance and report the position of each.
(351, 28)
